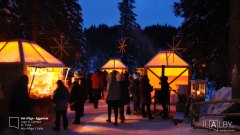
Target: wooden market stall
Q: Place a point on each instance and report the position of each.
(114, 64)
(176, 69)
(25, 57)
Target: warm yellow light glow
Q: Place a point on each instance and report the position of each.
(26, 52)
(118, 70)
(48, 57)
(168, 58)
(30, 54)
(176, 69)
(198, 88)
(198, 92)
(2, 44)
(10, 52)
(114, 63)
(44, 82)
(171, 73)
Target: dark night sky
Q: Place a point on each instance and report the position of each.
(149, 12)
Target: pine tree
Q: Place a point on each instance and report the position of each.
(205, 35)
(7, 20)
(44, 21)
(128, 31)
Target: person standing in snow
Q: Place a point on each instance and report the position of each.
(89, 88)
(96, 86)
(77, 98)
(145, 95)
(113, 96)
(60, 98)
(165, 95)
(135, 94)
(125, 98)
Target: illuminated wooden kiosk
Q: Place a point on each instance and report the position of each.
(114, 64)
(19, 57)
(175, 68)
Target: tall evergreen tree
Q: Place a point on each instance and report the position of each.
(128, 31)
(101, 41)
(45, 21)
(7, 19)
(205, 35)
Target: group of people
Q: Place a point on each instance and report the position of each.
(115, 87)
(76, 97)
(117, 95)
(119, 86)
(81, 89)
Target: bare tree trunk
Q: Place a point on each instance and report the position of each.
(234, 47)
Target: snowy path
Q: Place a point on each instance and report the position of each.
(94, 123)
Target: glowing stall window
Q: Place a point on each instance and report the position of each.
(44, 82)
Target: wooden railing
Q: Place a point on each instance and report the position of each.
(196, 109)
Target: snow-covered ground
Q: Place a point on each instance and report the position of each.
(94, 123)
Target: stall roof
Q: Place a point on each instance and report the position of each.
(167, 58)
(114, 64)
(27, 52)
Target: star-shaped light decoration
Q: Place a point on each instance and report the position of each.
(174, 47)
(122, 45)
(61, 46)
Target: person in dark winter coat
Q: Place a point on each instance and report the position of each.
(20, 103)
(89, 88)
(104, 84)
(60, 98)
(82, 83)
(77, 98)
(125, 97)
(145, 95)
(165, 95)
(113, 96)
(136, 94)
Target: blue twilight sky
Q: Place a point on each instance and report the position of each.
(148, 12)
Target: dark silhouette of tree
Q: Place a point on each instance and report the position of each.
(128, 30)
(44, 20)
(234, 42)
(102, 42)
(161, 34)
(8, 19)
(205, 35)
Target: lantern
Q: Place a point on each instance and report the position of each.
(198, 88)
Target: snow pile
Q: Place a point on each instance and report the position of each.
(221, 94)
